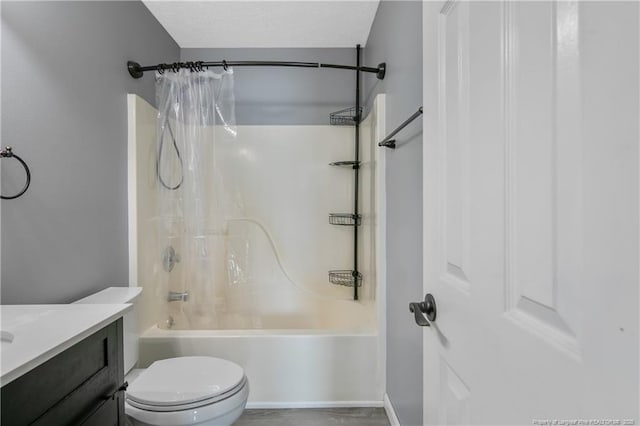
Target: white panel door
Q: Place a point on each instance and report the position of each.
(531, 212)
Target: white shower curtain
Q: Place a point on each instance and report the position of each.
(196, 111)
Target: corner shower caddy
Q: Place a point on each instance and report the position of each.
(349, 116)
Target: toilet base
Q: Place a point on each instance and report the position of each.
(224, 420)
(230, 410)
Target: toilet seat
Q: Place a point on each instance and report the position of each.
(184, 381)
(163, 407)
(187, 390)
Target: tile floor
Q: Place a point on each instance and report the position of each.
(315, 417)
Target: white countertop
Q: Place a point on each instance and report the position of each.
(41, 332)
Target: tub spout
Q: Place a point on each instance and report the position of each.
(176, 296)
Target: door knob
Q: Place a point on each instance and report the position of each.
(424, 312)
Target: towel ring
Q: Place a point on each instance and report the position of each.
(8, 153)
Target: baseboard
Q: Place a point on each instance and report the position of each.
(391, 413)
(313, 404)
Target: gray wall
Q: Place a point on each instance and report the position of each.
(286, 96)
(396, 37)
(64, 87)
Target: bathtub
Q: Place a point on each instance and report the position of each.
(287, 368)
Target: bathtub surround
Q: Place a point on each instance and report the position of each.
(68, 234)
(396, 37)
(255, 252)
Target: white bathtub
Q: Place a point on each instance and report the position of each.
(286, 368)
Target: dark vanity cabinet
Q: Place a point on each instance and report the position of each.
(81, 386)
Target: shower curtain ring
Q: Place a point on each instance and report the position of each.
(224, 65)
(160, 69)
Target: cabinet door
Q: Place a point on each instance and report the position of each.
(108, 414)
(69, 387)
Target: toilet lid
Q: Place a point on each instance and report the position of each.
(184, 380)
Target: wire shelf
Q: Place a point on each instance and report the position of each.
(344, 219)
(345, 278)
(345, 117)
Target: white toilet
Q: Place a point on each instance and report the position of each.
(195, 390)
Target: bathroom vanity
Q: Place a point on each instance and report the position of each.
(62, 365)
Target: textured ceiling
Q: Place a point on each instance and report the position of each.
(265, 23)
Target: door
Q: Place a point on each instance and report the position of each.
(531, 212)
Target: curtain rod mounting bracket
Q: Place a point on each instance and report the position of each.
(382, 70)
(134, 69)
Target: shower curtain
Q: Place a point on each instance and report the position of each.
(196, 113)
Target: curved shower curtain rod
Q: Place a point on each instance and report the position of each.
(137, 71)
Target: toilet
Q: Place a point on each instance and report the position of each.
(193, 390)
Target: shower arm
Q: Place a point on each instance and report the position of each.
(137, 71)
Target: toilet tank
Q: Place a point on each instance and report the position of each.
(130, 332)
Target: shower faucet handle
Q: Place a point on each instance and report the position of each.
(169, 259)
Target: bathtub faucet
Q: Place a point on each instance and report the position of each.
(176, 296)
